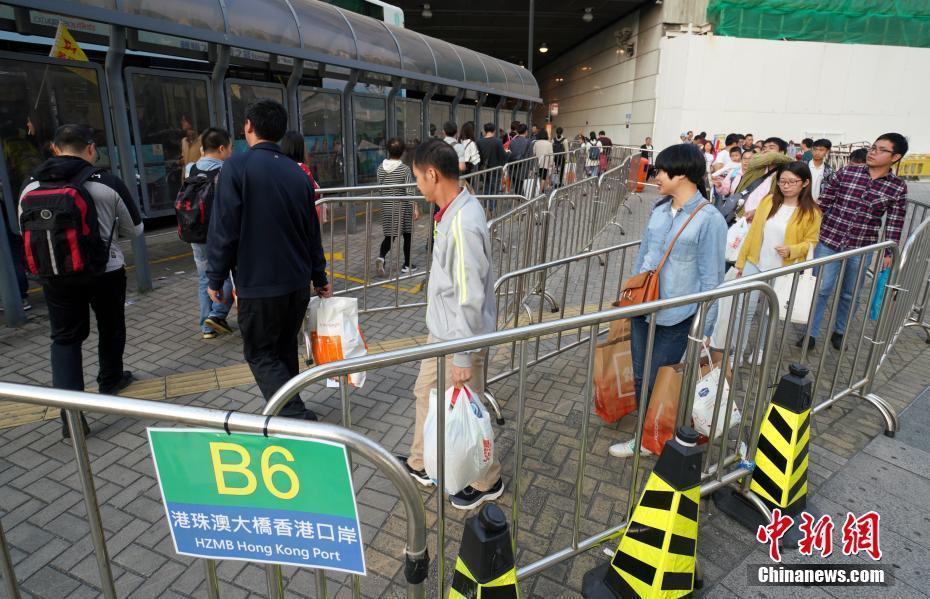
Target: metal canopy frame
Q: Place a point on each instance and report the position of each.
(519, 84)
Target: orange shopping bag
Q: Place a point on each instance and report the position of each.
(614, 390)
(335, 334)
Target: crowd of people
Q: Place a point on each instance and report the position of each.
(254, 231)
(797, 208)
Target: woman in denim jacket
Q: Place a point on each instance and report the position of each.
(696, 263)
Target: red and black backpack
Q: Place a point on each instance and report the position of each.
(193, 203)
(61, 232)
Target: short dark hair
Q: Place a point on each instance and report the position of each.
(823, 142)
(438, 155)
(268, 118)
(396, 147)
(782, 144)
(73, 137)
(490, 128)
(751, 152)
(749, 135)
(601, 133)
(682, 159)
(542, 135)
(450, 128)
(898, 142)
(521, 128)
(808, 141)
(736, 149)
(514, 125)
(732, 138)
(858, 156)
(558, 131)
(292, 146)
(213, 138)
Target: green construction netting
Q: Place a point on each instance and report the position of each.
(881, 22)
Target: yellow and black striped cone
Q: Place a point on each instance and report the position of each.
(485, 567)
(657, 553)
(780, 474)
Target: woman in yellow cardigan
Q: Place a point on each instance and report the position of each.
(785, 227)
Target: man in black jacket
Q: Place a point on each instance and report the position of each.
(264, 229)
(492, 155)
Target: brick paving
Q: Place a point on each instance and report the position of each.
(43, 514)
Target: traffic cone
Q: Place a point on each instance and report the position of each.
(780, 474)
(657, 553)
(485, 567)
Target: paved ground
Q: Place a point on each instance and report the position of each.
(42, 509)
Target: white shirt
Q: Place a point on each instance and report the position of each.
(773, 235)
(723, 158)
(816, 178)
(459, 150)
(470, 152)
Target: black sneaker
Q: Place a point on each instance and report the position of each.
(836, 340)
(418, 475)
(311, 415)
(66, 431)
(811, 342)
(469, 498)
(219, 325)
(119, 385)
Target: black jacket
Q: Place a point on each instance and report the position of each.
(264, 226)
(492, 152)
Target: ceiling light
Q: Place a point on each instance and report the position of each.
(427, 13)
(588, 15)
(559, 79)
(543, 48)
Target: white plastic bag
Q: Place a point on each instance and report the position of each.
(705, 396)
(530, 188)
(725, 315)
(469, 439)
(335, 334)
(803, 296)
(736, 234)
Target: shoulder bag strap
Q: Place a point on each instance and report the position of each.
(677, 235)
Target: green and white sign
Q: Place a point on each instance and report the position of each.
(280, 500)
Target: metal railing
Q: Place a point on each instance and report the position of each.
(138, 409)
(726, 467)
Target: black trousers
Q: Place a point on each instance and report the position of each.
(70, 300)
(389, 241)
(269, 327)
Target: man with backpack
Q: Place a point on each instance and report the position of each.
(72, 214)
(264, 228)
(193, 208)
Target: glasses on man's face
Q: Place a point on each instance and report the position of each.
(876, 150)
(789, 182)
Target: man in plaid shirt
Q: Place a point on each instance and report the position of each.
(853, 203)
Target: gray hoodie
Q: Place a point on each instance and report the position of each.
(460, 292)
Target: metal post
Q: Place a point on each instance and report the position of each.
(453, 110)
(113, 66)
(293, 102)
(479, 126)
(425, 110)
(90, 501)
(9, 286)
(219, 89)
(6, 568)
(529, 49)
(497, 113)
(392, 108)
(212, 580)
(348, 147)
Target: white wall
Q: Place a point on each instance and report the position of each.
(601, 85)
(845, 92)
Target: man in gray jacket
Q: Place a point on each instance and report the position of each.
(460, 301)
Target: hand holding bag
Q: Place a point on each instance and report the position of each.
(469, 439)
(644, 287)
(705, 398)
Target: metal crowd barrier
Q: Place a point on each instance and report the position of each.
(139, 409)
(724, 465)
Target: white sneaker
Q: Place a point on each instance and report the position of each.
(408, 269)
(754, 358)
(625, 450)
(379, 266)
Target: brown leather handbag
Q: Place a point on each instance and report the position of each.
(644, 287)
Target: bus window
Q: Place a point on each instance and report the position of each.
(438, 115)
(370, 127)
(321, 125)
(35, 99)
(409, 121)
(170, 114)
(243, 95)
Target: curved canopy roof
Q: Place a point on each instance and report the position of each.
(309, 30)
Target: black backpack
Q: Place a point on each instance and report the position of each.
(61, 233)
(192, 206)
(558, 146)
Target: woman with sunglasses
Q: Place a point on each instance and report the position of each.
(786, 226)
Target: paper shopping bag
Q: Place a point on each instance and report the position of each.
(335, 334)
(662, 413)
(614, 390)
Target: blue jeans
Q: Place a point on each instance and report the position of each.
(208, 308)
(828, 275)
(667, 349)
